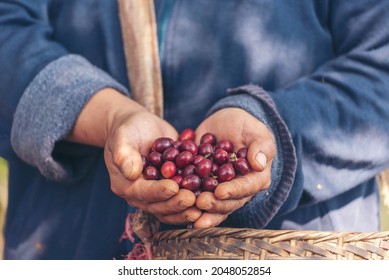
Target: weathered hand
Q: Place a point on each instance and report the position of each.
(130, 136)
(126, 130)
(243, 130)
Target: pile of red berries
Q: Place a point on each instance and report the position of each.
(195, 167)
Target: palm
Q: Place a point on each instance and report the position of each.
(150, 129)
(233, 124)
(143, 129)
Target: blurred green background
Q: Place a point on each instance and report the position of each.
(3, 200)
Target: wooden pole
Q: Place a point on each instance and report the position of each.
(139, 32)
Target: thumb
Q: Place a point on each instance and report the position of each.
(128, 160)
(260, 153)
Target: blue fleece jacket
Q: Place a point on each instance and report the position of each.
(315, 72)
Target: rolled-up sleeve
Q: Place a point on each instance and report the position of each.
(49, 107)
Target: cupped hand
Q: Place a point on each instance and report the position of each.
(243, 130)
(130, 136)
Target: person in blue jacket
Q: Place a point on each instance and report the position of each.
(303, 84)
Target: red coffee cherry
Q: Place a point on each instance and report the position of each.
(161, 144)
(184, 158)
(225, 145)
(204, 168)
(195, 167)
(189, 145)
(220, 156)
(168, 169)
(170, 154)
(151, 173)
(225, 173)
(191, 182)
(208, 138)
(187, 134)
(209, 184)
(155, 159)
(242, 166)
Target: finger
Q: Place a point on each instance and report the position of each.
(178, 203)
(244, 186)
(208, 202)
(141, 190)
(183, 218)
(208, 220)
(260, 152)
(147, 191)
(126, 158)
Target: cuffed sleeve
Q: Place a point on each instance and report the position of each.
(48, 109)
(262, 208)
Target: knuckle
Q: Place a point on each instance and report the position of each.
(184, 204)
(166, 192)
(189, 216)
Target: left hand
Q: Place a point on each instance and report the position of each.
(243, 130)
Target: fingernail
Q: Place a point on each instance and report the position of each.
(182, 204)
(224, 196)
(261, 159)
(168, 191)
(187, 218)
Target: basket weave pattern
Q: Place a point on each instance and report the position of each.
(253, 244)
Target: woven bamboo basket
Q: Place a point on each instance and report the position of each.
(253, 244)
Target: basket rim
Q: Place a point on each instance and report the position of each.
(249, 243)
(279, 235)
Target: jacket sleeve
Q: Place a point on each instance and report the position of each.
(43, 88)
(337, 116)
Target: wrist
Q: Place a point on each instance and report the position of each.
(99, 116)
